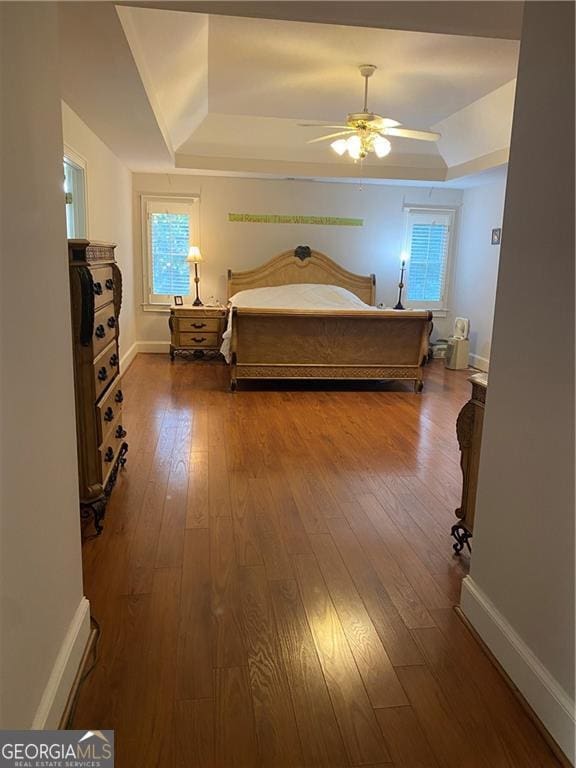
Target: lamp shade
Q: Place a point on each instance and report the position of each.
(339, 146)
(194, 254)
(381, 146)
(354, 145)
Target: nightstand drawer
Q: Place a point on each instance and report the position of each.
(105, 368)
(109, 409)
(199, 340)
(195, 324)
(104, 328)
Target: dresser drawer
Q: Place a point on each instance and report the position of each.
(108, 451)
(104, 328)
(105, 368)
(103, 278)
(109, 409)
(199, 340)
(195, 324)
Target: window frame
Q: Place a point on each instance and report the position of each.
(161, 302)
(439, 308)
(74, 158)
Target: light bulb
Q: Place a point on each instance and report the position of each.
(339, 146)
(381, 146)
(354, 145)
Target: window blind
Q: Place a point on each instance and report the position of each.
(169, 237)
(427, 247)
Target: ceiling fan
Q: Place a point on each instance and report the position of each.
(367, 131)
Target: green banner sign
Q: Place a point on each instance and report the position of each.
(271, 218)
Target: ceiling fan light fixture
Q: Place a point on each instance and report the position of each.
(339, 146)
(381, 146)
(369, 130)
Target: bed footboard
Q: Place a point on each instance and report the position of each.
(328, 344)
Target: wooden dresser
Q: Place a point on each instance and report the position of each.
(469, 432)
(96, 296)
(196, 330)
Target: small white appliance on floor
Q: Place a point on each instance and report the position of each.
(458, 346)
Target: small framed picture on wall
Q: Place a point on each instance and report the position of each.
(496, 236)
(178, 301)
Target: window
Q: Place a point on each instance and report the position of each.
(75, 195)
(427, 247)
(170, 228)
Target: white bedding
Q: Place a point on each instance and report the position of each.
(299, 296)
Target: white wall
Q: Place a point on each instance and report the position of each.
(109, 192)
(42, 608)
(375, 247)
(473, 290)
(520, 592)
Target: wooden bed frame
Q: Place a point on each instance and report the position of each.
(323, 344)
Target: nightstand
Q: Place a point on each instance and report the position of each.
(196, 330)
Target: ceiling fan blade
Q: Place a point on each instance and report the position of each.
(409, 133)
(320, 125)
(331, 136)
(387, 122)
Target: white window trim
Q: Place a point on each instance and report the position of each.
(77, 159)
(438, 308)
(147, 304)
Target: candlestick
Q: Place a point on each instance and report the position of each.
(401, 285)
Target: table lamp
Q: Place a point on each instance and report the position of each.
(194, 257)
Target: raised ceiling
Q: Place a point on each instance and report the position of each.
(227, 93)
(478, 18)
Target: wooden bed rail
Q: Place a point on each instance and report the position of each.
(328, 344)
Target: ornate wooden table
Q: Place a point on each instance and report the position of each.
(469, 432)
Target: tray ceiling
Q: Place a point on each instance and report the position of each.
(234, 89)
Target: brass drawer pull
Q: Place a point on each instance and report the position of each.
(114, 360)
(197, 340)
(98, 289)
(100, 331)
(120, 431)
(108, 414)
(109, 284)
(198, 325)
(109, 455)
(119, 396)
(112, 322)
(102, 374)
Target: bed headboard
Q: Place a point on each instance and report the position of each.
(302, 265)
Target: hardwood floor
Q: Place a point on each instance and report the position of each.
(275, 583)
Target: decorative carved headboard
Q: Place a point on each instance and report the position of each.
(302, 265)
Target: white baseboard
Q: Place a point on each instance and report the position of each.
(154, 347)
(159, 347)
(544, 694)
(128, 358)
(64, 670)
(482, 363)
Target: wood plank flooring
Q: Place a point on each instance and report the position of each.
(275, 583)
